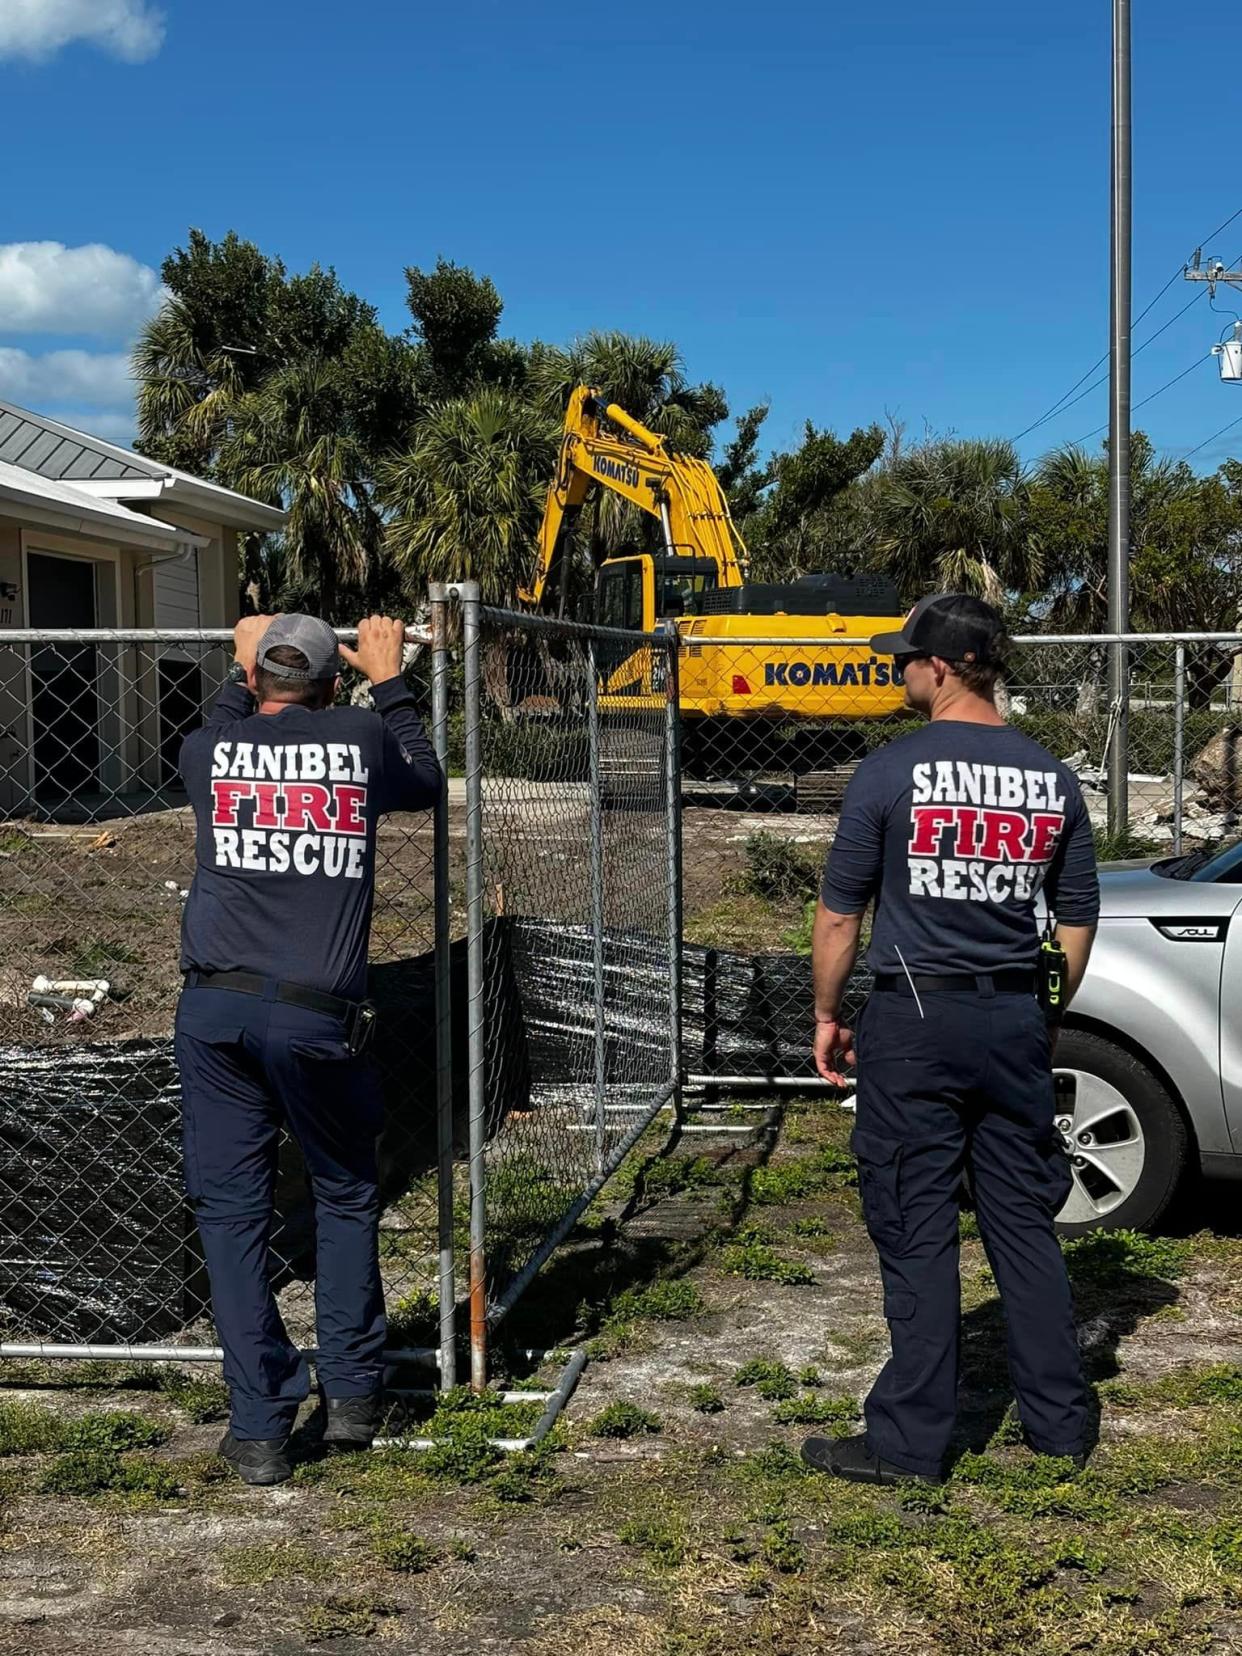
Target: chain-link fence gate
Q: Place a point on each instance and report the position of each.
(572, 892)
(774, 728)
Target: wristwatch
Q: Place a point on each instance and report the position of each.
(237, 675)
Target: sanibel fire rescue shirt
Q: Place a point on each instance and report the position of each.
(286, 806)
(954, 830)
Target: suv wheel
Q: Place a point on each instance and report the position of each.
(1124, 1133)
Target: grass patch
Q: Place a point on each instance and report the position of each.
(344, 1617)
(29, 1429)
(772, 1380)
(402, 1552)
(92, 1472)
(259, 1566)
(97, 954)
(663, 1301)
(811, 1410)
(623, 1420)
(200, 1398)
(705, 1399)
(662, 1540)
(758, 1261)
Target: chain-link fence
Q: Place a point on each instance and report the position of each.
(97, 1250)
(774, 728)
(573, 884)
(623, 873)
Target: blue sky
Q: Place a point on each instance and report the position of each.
(845, 210)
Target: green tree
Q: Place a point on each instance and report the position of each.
(234, 316)
(291, 443)
(456, 315)
(951, 515)
(795, 528)
(465, 500)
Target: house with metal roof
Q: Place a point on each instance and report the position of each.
(94, 536)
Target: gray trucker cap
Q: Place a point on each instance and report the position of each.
(307, 633)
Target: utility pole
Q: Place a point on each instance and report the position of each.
(1119, 427)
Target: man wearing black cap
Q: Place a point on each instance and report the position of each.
(953, 832)
(273, 1024)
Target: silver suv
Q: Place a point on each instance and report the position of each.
(1149, 1063)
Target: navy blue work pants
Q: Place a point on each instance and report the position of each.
(948, 1081)
(247, 1066)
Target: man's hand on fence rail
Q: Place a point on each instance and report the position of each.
(247, 635)
(381, 640)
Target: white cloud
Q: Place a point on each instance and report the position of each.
(46, 287)
(93, 379)
(129, 29)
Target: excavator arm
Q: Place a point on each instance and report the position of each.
(605, 447)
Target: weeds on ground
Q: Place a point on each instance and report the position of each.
(342, 1617)
(811, 1410)
(623, 1420)
(663, 1540)
(705, 1399)
(758, 1261)
(772, 1380)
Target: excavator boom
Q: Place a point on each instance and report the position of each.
(605, 447)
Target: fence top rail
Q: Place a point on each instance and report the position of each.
(807, 642)
(585, 630)
(158, 635)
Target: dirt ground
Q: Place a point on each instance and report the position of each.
(730, 1302)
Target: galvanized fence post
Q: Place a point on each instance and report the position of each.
(467, 593)
(438, 594)
(596, 836)
(672, 818)
(1179, 743)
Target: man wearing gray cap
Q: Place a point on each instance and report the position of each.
(273, 1024)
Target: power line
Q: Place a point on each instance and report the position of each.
(1213, 437)
(1061, 404)
(1103, 379)
(1198, 362)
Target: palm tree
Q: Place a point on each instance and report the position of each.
(464, 502)
(290, 443)
(186, 390)
(951, 516)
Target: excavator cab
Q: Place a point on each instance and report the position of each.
(636, 593)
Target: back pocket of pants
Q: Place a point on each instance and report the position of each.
(879, 1186)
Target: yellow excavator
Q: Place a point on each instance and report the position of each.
(752, 705)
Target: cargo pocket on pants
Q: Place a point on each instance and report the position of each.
(1055, 1177)
(879, 1186)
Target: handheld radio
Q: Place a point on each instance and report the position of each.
(1053, 974)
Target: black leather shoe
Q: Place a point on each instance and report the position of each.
(257, 1460)
(352, 1422)
(851, 1458)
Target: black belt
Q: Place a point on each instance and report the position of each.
(357, 1016)
(1010, 982)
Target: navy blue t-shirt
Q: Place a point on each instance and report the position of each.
(286, 806)
(954, 830)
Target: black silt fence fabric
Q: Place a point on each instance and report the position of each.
(97, 1244)
(94, 1235)
(742, 1014)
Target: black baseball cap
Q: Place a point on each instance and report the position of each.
(955, 626)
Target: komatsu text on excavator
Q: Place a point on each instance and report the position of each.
(739, 678)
